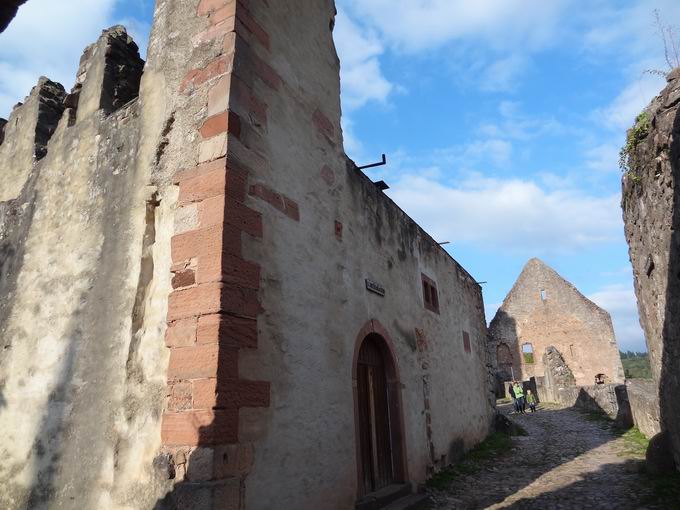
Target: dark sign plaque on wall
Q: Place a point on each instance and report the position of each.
(374, 287)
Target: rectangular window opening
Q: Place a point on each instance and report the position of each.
(430, 294)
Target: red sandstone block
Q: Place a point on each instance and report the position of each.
(202, 169)
(249, 23)
(183, 278)
(203, 186)
(217, 30)
(197, 77)
(181, 333)
(228, 330)
(221, 123)
(180, 398)
(280, 202)
(228, 268)
(200, 428)
(292, 209)
(324, 125)
(235, 179)
(327, 175)
(214, 211)
(207, 6)
(230, 394)
(205, 394)
(240, 300)
(195, 243)
(193, 362)
(194, 301)
(244, 97)
(226, 12)
(248, 60)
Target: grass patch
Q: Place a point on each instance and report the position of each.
(492, 447)
(635, 442)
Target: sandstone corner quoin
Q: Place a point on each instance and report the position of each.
(205, 304)
(651, 213)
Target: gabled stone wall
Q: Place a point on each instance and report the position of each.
(543, 309)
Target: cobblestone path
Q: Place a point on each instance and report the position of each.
(566, 462)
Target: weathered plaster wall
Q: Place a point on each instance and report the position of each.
(652, 216)
(545, 310)
(85, 279)
(336, 230)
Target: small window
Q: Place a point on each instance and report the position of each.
(600, 379)
(528, 353)
(544, 295)
(466, 342)
(430, 294)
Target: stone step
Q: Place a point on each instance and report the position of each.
(382, 498)
(411, 502)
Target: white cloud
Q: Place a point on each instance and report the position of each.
(504, 74)
(621, 112)
(361, 76)
(414, 25)
(492, 151)
(510, 215)
(619, 300)
(603, 158)
(512, 123)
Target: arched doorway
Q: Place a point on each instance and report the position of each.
(378, 417)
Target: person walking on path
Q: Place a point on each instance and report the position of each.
(519, 395)
(531, 400)
(511, 390)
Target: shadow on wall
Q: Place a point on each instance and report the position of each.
(669, 383)
(48, 443)
(618, 409)
(508, 353)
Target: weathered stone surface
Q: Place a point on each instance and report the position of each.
(8, 9)
(644, 404)
(542, 309)
(651, 212)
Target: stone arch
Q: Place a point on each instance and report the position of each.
(375, 334)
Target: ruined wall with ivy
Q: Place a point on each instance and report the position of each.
(651, 164)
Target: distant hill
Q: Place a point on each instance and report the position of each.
(636, 365)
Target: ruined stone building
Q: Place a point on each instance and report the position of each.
(544, 310)
(651, 213)
(203, 302)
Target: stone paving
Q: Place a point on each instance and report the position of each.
(565, 462)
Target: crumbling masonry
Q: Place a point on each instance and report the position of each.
(651, 190)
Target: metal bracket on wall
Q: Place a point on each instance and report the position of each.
(372, 165)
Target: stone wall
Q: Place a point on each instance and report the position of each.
(644, 405)
(87, 215)
(220, 181)
(542, 309)
(651, 215)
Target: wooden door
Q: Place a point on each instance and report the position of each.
(374, 421)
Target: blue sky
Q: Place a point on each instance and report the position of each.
(501, 119)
